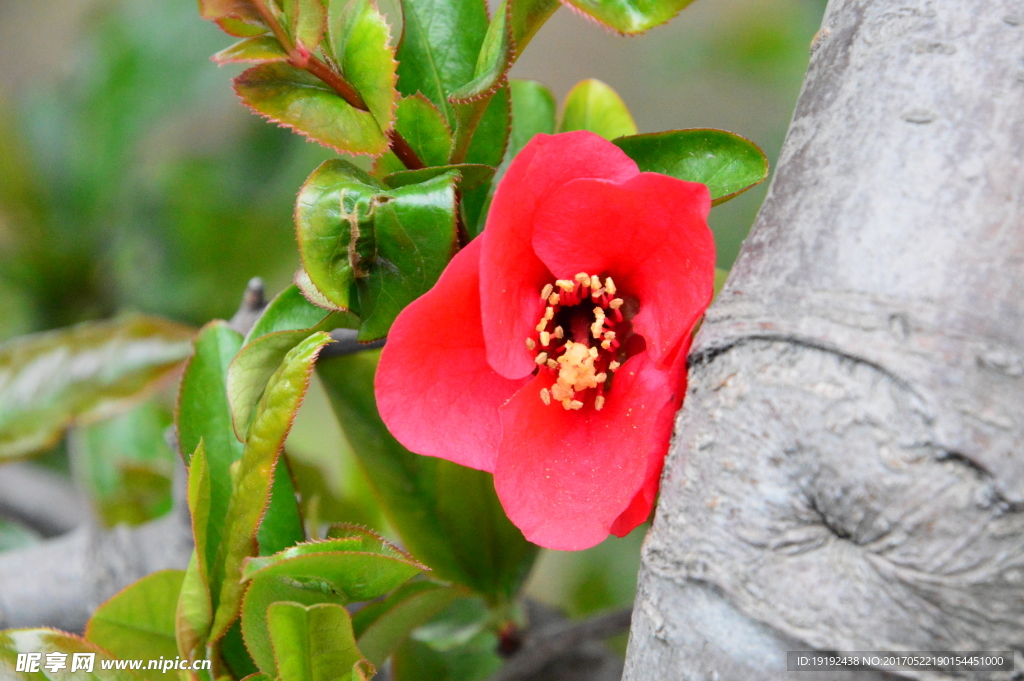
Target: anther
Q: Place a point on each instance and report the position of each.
(554, 299)
(609, 286)
(608, 335)
(549, 313)
(566, 404)
(575, 404)
(545, 396)
(559, 333)
(601, 377)
(541, 359)
(613, 366)
(546, 291)
(565, 285)
(583, 278)
(545, 338)
(552, 364)
(607, 344)
(542, 325)
(616, 303)
(599, 402)
(530, 345)
(595, 283)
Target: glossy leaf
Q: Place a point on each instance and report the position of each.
(138, 622)
(630, 16)
(332, 571)
(361, 44)
(307, 21)
(471, 175)
(311, 293)
(262, 48)
(594, 106)
(488, 148)
(287, 321)
(51, 380)
(448, 516)
(281, 525)
(315, 643)
(204, 416)
(14, 641)
(533, 112)
(424, 128)
(250, 496)
(381, 627)
(727, 163)
(374, 250)
(439, 49)
(125, 465)
(295, 99)
(194, 614)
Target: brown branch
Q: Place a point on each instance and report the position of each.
(404, 151)
(550, 643)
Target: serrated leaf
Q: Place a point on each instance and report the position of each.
(311, 293)
(125, 465)
(488, 147)
(439, 49)
(250, 496)
(361, 44)
(138, 622)
(295, 99)
(595, 106)
(333, 571)
(241, 28)
(238, 9)
(307, 21)
(370, 249)
(194, 613)
(14, 641)
(533, 112)
(449, 516)
(630, 16)
(285, 322)
(424, 128)
(263, 48)
(727, 163)
(281, 525)
(81, 374)
(381, 627)
(315, 643)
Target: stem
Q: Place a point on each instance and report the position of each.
(303, 60)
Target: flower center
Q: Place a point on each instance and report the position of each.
(579, 340)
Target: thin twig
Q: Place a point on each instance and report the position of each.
(549, 643)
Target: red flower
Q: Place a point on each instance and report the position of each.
(552, 351)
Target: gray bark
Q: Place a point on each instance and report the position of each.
(848, 469)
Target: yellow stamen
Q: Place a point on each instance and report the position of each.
(613, 366)
(609, 335)
(549, 313)
(599, 402)
(545, 338)
(595, 282)
(546, 291)
(541, 358)
(609, 286)
(565, 404)
(545, 396)
(583, 278)
(542, 325)
(559, 333)
(601, 377)
(615, 304)
(565, 284)
(561, 392)
(554, 299)
(530, 345)
(575, 404)
(576, 367)
(552, 364)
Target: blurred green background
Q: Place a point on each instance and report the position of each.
(132, 179)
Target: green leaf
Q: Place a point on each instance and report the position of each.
(630, 16)
(381, 627)
(125, 465)
(471, 175)
(138, 622)
(488, 148)
(281, 525)
(426, 131)
(361, 45)
(727, 163)
(315, 643)
(14, 641)
(249, 497)
(195, 610)
(307, 21)
(295, 99)
(374, 250)
(439, 49)
(242, 10)
(287, 321)
(311, 293)
(457, 645)
(262, 48)
(448, 516)
(338, 571)
(594, 106)
(203, 416)
(81, 374)
(533, 112)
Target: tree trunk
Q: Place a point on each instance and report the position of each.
(848, 470)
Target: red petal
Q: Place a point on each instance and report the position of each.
(435, 390)
(512, 274)
(649, 234)
(564, 477)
